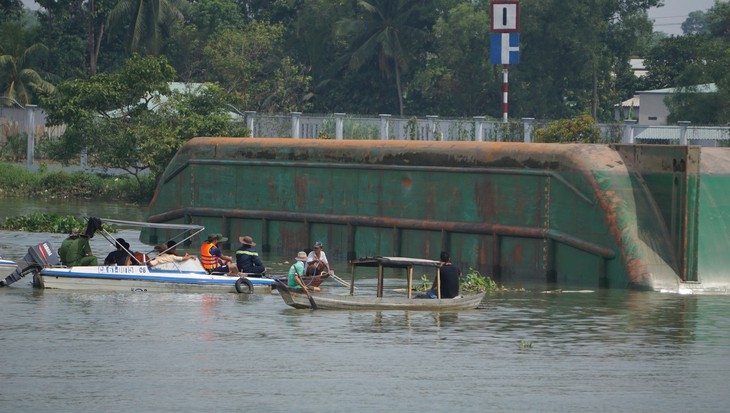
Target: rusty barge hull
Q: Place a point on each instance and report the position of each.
(546, 215)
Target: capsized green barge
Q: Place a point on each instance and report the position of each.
(652, 217)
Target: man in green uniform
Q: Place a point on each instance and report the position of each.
(76, 251)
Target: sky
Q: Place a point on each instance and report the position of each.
(668, 18)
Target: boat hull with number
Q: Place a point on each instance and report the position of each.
(140, 278)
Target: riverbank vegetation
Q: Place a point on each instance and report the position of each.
(16, 181)
(41, 222)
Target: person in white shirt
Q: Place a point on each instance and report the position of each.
(317, 260)
(165, 257)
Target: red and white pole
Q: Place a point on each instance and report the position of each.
(505, 90)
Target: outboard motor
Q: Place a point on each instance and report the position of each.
(42, 255)
(38, 257)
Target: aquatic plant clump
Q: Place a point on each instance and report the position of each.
(471, 283)
(40, 222)
(474, 282)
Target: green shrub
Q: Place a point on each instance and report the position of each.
(582, 129)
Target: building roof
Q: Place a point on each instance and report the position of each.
(629, 103)
(705, 88)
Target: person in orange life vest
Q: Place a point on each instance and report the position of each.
(213, 259)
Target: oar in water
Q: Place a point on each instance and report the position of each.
(306, 290)
(311, 300)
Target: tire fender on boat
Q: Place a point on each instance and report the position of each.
(240, 282)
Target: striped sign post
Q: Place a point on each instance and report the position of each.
(504, 43)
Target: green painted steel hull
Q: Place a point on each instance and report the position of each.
(544, 215)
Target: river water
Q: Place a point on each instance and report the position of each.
(520, 351)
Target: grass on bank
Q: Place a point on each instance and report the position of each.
(16, 181)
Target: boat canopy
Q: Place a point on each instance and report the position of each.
(135, 224)
(185, 231)
(393, 262)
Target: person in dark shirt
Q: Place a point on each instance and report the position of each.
(450, 275)
(247, 259)
(120, 256)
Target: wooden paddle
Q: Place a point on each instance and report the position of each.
(306, 290)
(311, 300)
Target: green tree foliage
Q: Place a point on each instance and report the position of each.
(382, 56)
(147, 22)
(10, 10)
(249, 63)
(678, 58)
(457, 78)
(582, 129)
(74, 31)
(571, 50)
(688, 62)
(20, 75)
(385, 32)
(718, 21)
(696, 23)
(131, 120)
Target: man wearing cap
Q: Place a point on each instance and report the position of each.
(247, 259)
(294, 280)
(317, 260)
(213, 259)
(75, 250)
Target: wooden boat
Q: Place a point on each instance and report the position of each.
(309, 280)
(185, 276)
(297, 298)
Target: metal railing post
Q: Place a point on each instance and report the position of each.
(479, 128)
(683, 124)
(339, 122)
(432, 127)
(30, 150)
(295, 122)
(628, 137)
(527, 124)
(384, 126)
(250, 121)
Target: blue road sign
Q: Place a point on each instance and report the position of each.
(504, 48)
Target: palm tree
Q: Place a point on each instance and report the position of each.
(18, 79)
(383, 32)
(145, 20)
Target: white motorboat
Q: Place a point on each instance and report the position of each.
(185, 276)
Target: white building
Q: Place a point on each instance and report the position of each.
(648, 107)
